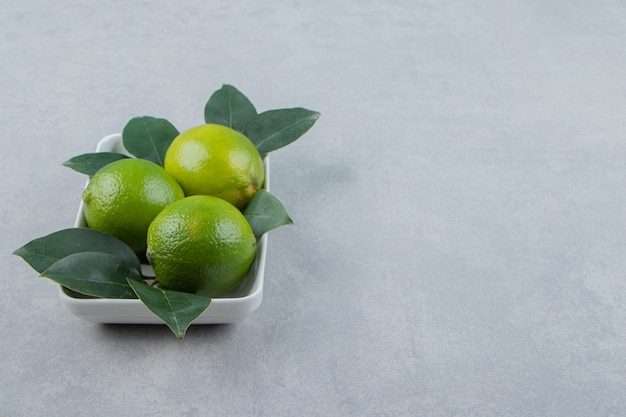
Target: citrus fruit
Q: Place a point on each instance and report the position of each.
(123, 198)
(218, 161)
(201, 244)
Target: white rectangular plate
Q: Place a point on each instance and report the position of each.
(233, 307)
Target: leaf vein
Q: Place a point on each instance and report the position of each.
(152, 142)
(171, 307)
(280, 131)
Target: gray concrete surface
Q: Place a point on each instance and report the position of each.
(460, 207)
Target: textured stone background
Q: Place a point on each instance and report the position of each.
(459, 208)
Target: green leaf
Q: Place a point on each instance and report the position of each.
(265, 212)
(229, 107)
(177, 309)
(148, 138)
(90, 163)
(95, 273)
(42, 252)
(274, 129)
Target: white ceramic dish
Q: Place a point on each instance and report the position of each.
(233, 307)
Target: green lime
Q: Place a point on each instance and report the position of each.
(201, 244)
(123, 198)
(216, 160)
